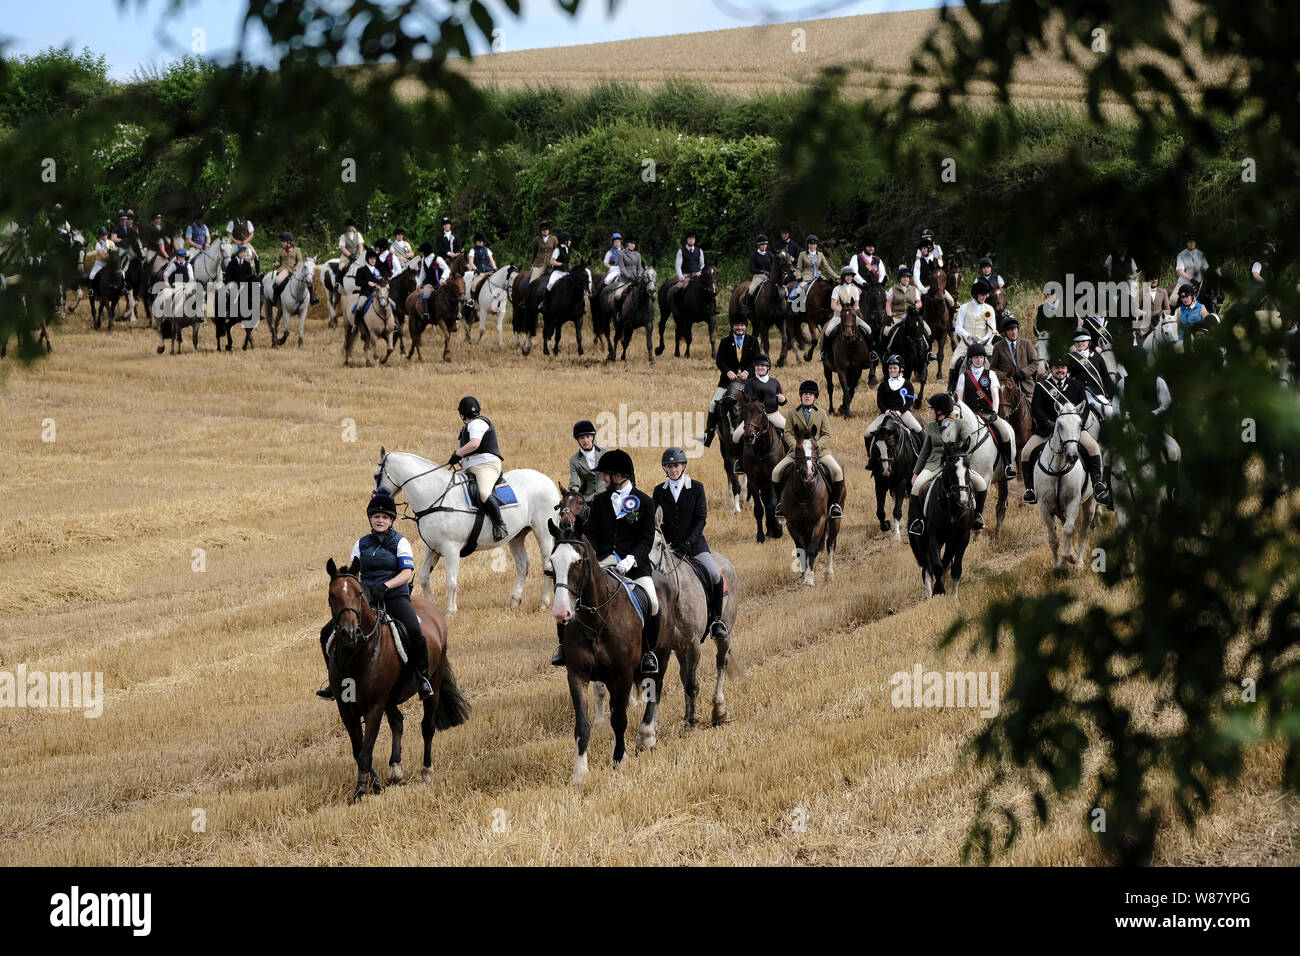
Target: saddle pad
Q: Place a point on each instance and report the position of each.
(399, 635)
(640, 600)
(505, 494)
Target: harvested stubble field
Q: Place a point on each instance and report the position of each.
(209, 676)
(875, 49)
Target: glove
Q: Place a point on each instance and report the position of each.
(626, 565)
(454, 459)
(378, 593)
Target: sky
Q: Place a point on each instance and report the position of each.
(148, 33)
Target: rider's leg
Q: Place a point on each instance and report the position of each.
(778, 479)
(326, 693)
(650, 632)
(717, 627)
(911, 421)
(486, 475)
(954, 367)
(1031, 446)
(828, 332)
(837, 485)
(1006, 445)
(1092, 459)
(711, 424)
(557, 659)
(981, 492)
(399, 607)
(919, 484)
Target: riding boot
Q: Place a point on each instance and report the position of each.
(978, 524)
(778, 487)
(710, 428)
(953, 374)
(1009, 471)
(1029, 497)
(325, 693)
(785, 442)
(419, 655)
(649, 638)
(917, 527)
(837, 491)
(1099, 489)
(557, 659)
(492, 508)
(717, 626)
(277, 289)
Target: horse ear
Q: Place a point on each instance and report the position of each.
(659, 515)
(563, 491)
(332, 568)
(355, 566)
(552, 527)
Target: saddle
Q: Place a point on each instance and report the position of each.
(400, 637)
(477, 283)
(640, 600)
(504, 494)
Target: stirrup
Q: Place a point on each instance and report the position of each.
(978, 523)
(837, 511)
(1029, 497)
(917, 527)
(1010, 472)
(326, 692)
(718, 629)
(649, 663)
(423, 688)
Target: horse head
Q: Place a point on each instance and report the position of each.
(572, 510)
(956, 474)
(379, 469)
(805, 459)
(1069, 427)
(571, 560)
(709, 280)
(849, 331)
(349, 607)
(755, 419)
(888, 443)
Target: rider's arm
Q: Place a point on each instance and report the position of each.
(405, 562)
(575, 480)
(679, 263)
(959, 325)
(916, 276)
(477, 429)
(699, 518)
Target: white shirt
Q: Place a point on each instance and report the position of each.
(995, 386)
(359, 241)
(1193, 262)
(590, 457)
(1132, 266)
(975, 316)
(679, 261)
(426, 266)
(402, 248)
(676, 486)
(620, 493)
(477, 428)
(935, 260)
(405, 559)
(877, 267)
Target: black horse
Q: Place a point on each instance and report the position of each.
(566, 302)
(909, 342)
(635, 311)
(108, 286)
(891, 458)
(872, 306)
(948, 510)
(696, 300)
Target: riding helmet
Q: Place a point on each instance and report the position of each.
(1185, 289)
(1081, 336)
(182, 253)
(479, 237)
(617, 235)
(399, 231)
(426, 248)
(444, 221)
(692, 234)
(894, 360)
(629, 240)
(198, 216)
(739, 320)
(381, 503)
(762, 360)
(808, 385)
(977, 349)
(986, 261)
(1058, 361)
(847, 271)
(468, 407)
(868, 241)
(103, 231)
(812, 238)
(286, 237)
(927, 233)
(1010, 322)
(583, 427)
(762, 239)
(673, 456)
(350, 224)
(381, 244)
(130, 214)
(927, 243)
(372, 253)
(544, 224)
(942, 402)
(564, 237)
(615, 462)
(121, 214)
(904, 271)
(980, 288)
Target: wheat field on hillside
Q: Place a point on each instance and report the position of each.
(173, 536)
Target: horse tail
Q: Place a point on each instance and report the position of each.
(453, 708)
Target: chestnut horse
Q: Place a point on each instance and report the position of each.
(935, 312)
(602, 640)
(770, 307)
(1014, 407)
(442, 309)
(369, 679)
(806, 504)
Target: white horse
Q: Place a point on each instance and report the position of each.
(491, 300)
(208, 263)
(336, 289)
(295, 298)
(445, 520)
(1063, 490)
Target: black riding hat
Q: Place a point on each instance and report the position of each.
(740, 320)
(762, 360)
(583, 427)
(445, 220)
(615, 462)
(1185, 289)
(381, 502)
(286, 237)
(399, 231)
(673, 456)
(426, 248)
(894, 360)
(980, 288)
(868, 241)
(977, 348)
(349, 222)
(762, 238)
(808, 385)
(479, 237)
(564, 237)
(468, 407)
(986, 261)
(811, 238)
(941, 402)
(381, 243)
(692, 234)
(904, 271)
(1010, 322)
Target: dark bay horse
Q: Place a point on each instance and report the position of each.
(891, 458)
(730, 415)
(761, 449)
(907, 340)
(816, 309)
(1013, 405)
(848, 355)
(948, 509)
(442, 309)
(695, 300)
(602, 640)
(872, 306)
(566, 302)
(771, 308)
(937, 315)
(806, 504)
(108, 286)
(369, 679)
(636, 310)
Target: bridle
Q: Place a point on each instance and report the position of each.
(363, 639)
(751, 428)
(799, 480)
(584, 551)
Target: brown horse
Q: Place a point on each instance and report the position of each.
(771, 307)
(442, 309)
(849, 354)
(934, 309)
(1014, 407)
(602, 640)
(369, 679)
(806, 504)
(377, 323)
(761, 450)
(817, 308)
(729, 416)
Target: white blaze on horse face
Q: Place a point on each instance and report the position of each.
(562, 559)
(885, 463)
(807, 459)
(962, 481)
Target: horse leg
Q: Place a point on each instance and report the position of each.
(1002, 506)
(758, 515)
(446, 344)
(520, 554)
(451, 562)
(1050, 520)
(688, 664)
(832, 536)
(577, 332)
(882, 492)
(599, 702)
(723, 661)
(830, 389)
(899, 494)
(650, 342)
(395, 723)
(663, 321)
(366, 779)
(1068, 527)
(773, 523)
(647, 732)
(581, 726)
(426, 568)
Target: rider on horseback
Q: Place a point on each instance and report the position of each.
(760, 267)
(1191, 264)
(846, 293)
(196, 233)
(1154, 305)
(400, 247)
(786, 244)
(894, 399)
(584, 478)
(690, 259)
(761, 387)
(610, 260)
(559, 266)
(286, 264)
(387, 566)
(1015, 357)
(351, 243)
(685, 512)
(367, 278)
(1050, 394)
(974, 323)
(992, 280)
(155, 236)
(901, 297)
(543, 246)
(811, 264)
(929, 257)
(948, 425)
(1191, 313)
(480, 457)
(621, 528)
(980, 390)
(631, 268)
(734, 361)
(448, 245)
(810, 422)
(103, 246)
(867, 263)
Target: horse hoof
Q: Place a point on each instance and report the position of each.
(161, 349)
(515, 602)
(760, 537)
(300, 341)
(884, 525)
(720, 716)
(426, 774)
(395, 778)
